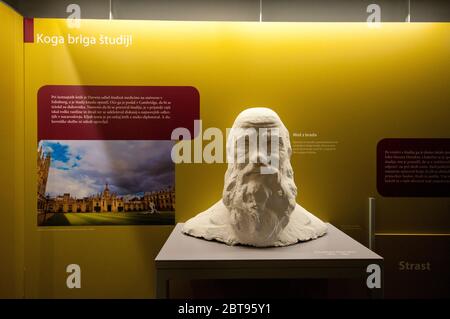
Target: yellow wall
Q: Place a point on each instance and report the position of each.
(344, 81)
(11, 158)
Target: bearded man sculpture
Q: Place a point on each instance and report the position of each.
(258, 207)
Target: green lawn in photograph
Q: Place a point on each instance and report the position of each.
(103, 219)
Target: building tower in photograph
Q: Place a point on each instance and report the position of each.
(43, 166)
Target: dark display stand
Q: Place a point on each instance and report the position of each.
(335, 255)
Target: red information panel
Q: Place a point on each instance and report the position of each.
(115, 112)
(412, 167)
(104, 153)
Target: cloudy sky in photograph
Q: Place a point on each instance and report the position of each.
(82, 168)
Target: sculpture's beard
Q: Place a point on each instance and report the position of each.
(259, 203)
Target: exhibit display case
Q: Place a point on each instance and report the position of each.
(216, 149)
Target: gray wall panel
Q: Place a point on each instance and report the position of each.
(201, 10)
(90, 9)
(332, 10)
(240, 10)
(430, 10)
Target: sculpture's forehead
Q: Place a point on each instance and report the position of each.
(258, 124)
(258, 117)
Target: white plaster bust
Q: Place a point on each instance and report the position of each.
(257, 209)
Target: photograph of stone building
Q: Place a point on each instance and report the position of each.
(70, 193)
(107, 202)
